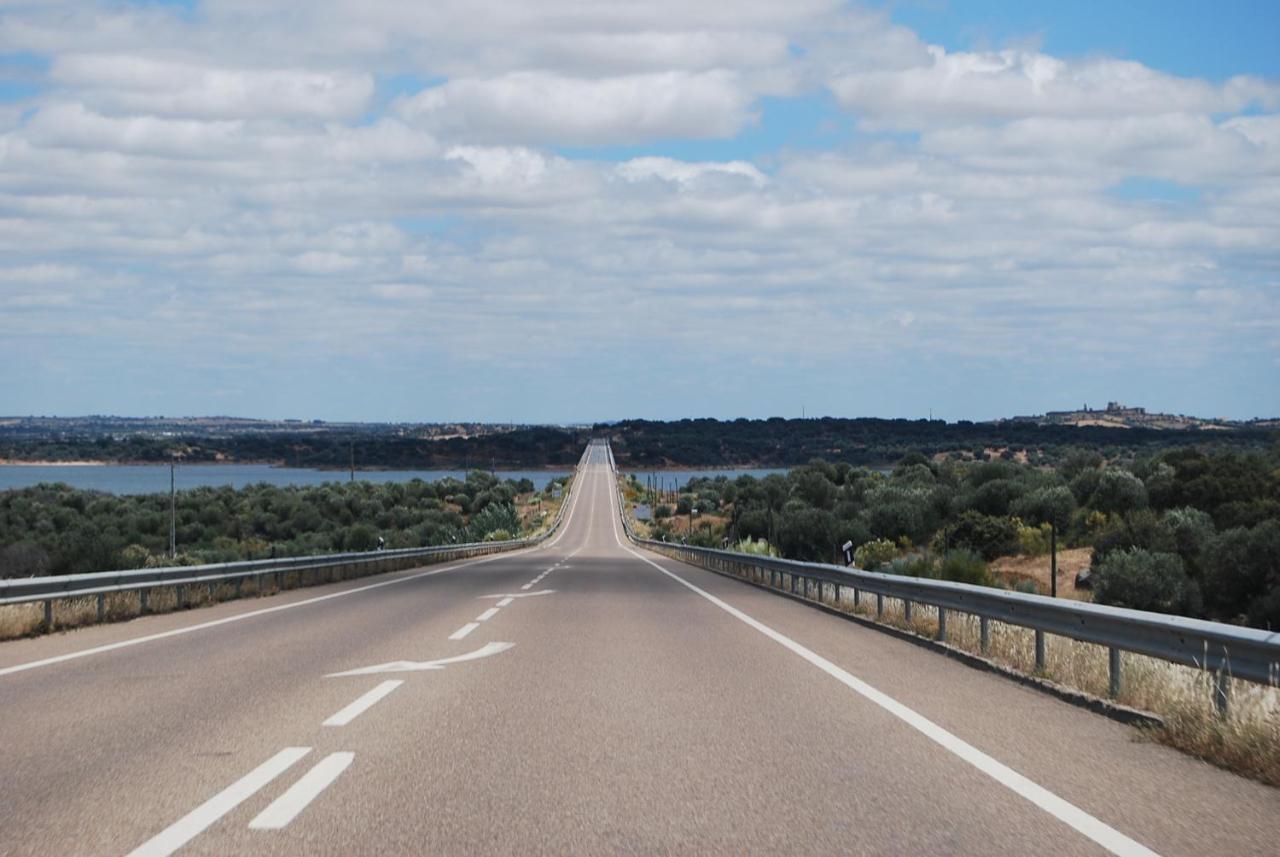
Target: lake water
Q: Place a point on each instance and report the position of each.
(679, 478)
(154, 478)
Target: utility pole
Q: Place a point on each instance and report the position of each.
(1053, 559)
(173, 509)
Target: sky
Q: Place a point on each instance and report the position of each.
(567, 211)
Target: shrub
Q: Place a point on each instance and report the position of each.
(1242, 574)
(1033, 541)
(916, 565)
(360, 537)
(1143, 580)
(755, 547)
(1141, 529)
(1192, 530)
(806, 533)
(963, 566)
(1119, 491)
(987, 536)
(874, 554)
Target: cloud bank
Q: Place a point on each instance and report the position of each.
(487, 195)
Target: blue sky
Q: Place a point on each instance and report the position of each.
(556, 212)
(1185, 37)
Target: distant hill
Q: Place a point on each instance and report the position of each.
(1117, 415)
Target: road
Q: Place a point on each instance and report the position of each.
(583, 697)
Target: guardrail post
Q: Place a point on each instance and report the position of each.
(857, 597)
(942, 624)
(984, 634)
(1113, 672)
(213, 588)
(1222, 691)
(906, 609)
(239, 586)
(144, 601)
(102, 606)
(1039, 650)
(48, 614)
(180, 595)
(879, 606)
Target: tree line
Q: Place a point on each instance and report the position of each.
(778, 442)
(535, 446)
(56, 529)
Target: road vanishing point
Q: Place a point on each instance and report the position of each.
(580, 697)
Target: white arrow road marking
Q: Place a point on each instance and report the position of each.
(195, 822)
(508, 595)
(364, 703)
(286, 807)
(420, 666)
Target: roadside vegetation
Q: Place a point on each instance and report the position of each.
(55, 529)
(1183, 531)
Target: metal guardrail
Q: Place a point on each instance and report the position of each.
(1226, 650)
(25, 590)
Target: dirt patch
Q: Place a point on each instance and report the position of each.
(1017, 569)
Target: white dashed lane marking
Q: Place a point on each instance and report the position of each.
(464, 630)
(363, 704)
(285, 808)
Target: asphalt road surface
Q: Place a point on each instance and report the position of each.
(583, 697)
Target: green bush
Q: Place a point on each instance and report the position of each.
(1142, 580)
(755, 547)
(874, 554)
(1242, 574)
(985, 535)
(1033, 541)
(963, 566)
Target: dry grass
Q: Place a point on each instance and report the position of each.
(1018, 569)
(1246, 740)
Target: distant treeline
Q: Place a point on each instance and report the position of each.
(781, 442)
(774, 442)
(526, 447)
(55, 529)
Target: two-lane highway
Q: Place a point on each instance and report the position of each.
(583, 697)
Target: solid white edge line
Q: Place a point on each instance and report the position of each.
(285, 808)
(464, 630)
(363, 704)
(124, 644)
(195, 822)
(1068, 813)
(487, 615)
